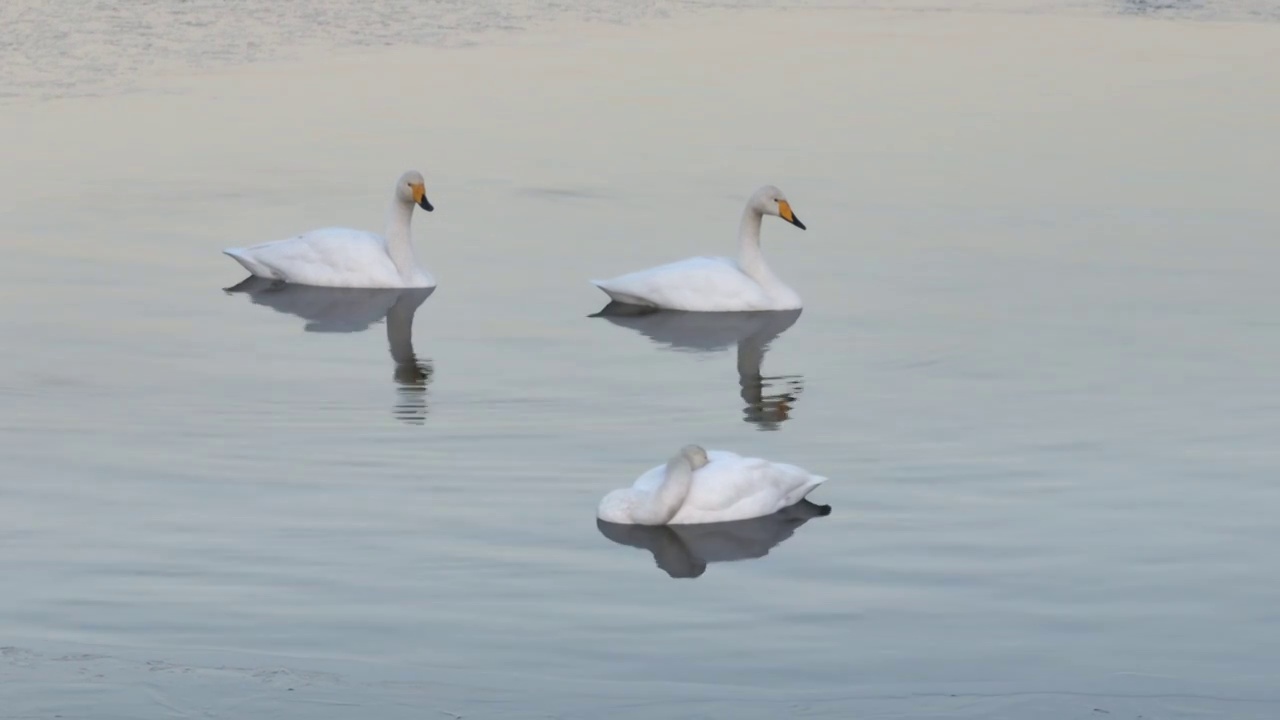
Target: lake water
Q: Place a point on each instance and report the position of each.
(1037, 360)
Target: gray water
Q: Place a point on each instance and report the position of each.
(60, 48)
(1037, 360)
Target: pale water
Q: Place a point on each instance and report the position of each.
(1037, 359)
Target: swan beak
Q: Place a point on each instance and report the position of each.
(420, 197)
(784, 209)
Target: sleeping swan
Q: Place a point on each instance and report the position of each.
(340, 257)
(697, 486)
(716, 284)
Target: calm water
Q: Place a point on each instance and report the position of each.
(1037, 360)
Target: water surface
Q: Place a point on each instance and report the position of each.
(1037, 361)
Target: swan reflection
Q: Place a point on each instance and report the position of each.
(349, 310)
(684, 551)
(768, 399)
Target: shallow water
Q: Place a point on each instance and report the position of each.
(1037, 361)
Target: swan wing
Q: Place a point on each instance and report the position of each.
(705, 284)
(731, 487)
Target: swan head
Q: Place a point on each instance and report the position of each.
(769, 200)
(412, 189)
(695, 456)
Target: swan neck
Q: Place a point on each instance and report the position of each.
(750, 257)
(400, 239)
(671, 494)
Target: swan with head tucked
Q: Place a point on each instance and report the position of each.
(701, 486)
(716, 284)
(341, 257)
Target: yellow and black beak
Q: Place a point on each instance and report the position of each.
(420, 197)
(784, 209)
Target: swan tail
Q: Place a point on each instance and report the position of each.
(619, 309)
(603, 285)
(253, 266)
(253, 284)
(803, 491)
(619, 296)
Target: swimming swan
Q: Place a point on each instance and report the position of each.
(341, 257)
(700, 486)
(716, 284)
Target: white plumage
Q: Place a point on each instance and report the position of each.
(701, 486)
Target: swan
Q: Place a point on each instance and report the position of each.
(341, 257)
(716, 284)
(701, 486)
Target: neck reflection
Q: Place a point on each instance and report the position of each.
(768, 400)
(353, 310)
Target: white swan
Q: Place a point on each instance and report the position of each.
(716, 284)
(341, 257)
(700, 486)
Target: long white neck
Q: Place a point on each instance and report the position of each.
(399, 238)
(751, 261)
(750, 257)
(667, 499)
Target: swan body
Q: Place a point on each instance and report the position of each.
(708, 486)
(342, 257)
(716, 284)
